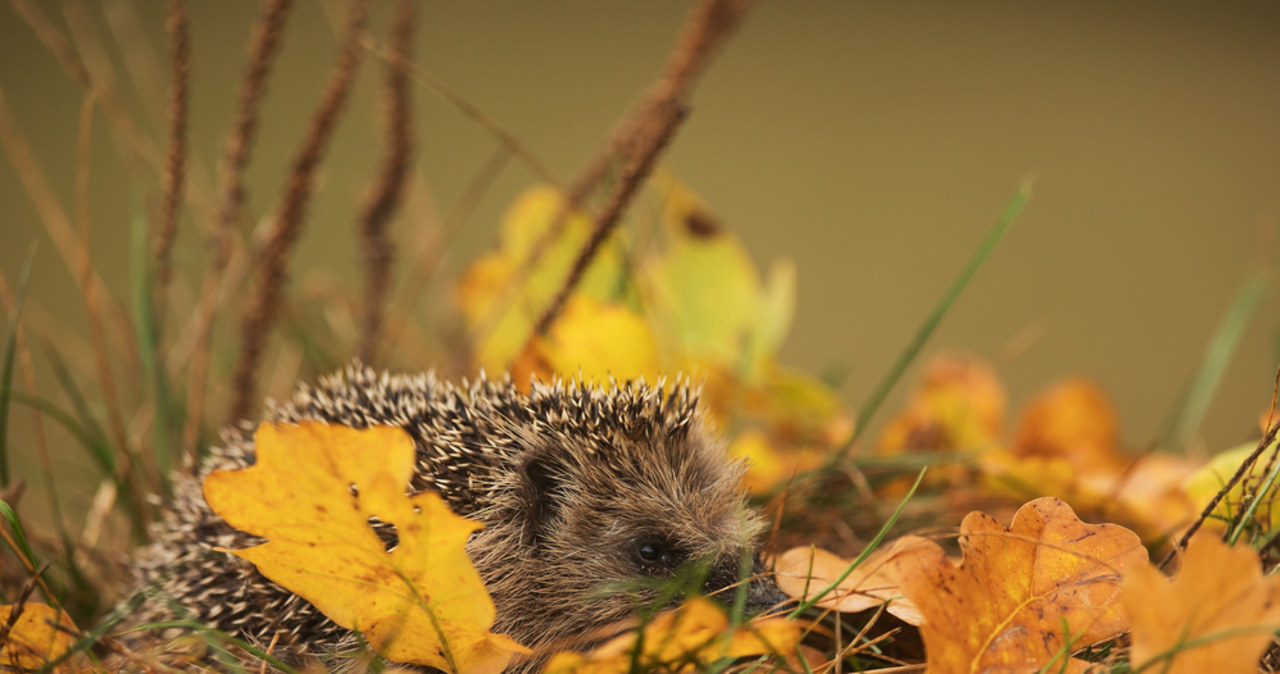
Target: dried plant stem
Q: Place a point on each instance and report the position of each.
(1243, 470)
(263, 46)
(264, 304)
(386, 195)
(174, 177)
(633, 176)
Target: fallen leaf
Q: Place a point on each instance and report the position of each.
(1009, 605)
(803, 572)
(958, 404)
(689, 638)
(1217, 615)
(1073, 420)
(312, 493)
(40, 635)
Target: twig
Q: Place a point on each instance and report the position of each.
(379, 253)
(637, 170)
(174, 177)
(257, 320)
(263, 46)
(1226, 489)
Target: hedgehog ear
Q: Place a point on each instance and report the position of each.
(541, 488)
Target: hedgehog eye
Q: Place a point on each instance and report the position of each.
(650, 552)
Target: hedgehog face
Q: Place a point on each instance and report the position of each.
(606, 510)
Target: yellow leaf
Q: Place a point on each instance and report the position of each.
(40, 635)
(312, 493)
(804, 572)
(501, 301)
(690, 638)
(596, 340)
(1007, 605)
(706, 292)
(1217, 615)
(1205, 483)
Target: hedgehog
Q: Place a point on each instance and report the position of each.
(579, 487)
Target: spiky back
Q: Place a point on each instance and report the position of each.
(475, 444)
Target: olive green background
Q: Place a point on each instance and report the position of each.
(872, 143)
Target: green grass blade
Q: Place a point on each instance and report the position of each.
(1194, 404)
(871, 546)
(100, 445)
(141, 279)
(6, 373)
(101, 452)
(930, 324)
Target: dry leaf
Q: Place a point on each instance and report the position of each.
(40, 635)
(1073, 420)
(687, 639)
(803, 572)
(312, 494)
(1007, 605)
(959, 404)
(1219, 596)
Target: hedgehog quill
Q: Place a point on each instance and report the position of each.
(580, 487)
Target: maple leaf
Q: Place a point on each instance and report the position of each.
(803, 572)
(1019, 591)
(1217, 615)
(312, 493)
(40, 635)
(689, 638)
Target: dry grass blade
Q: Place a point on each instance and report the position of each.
(386, 195)
(263, 46)
(174, 176)
(259, 317)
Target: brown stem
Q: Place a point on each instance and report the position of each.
(379, 253)
(264, 304)
(637, 169)
(174, 177)
(263, 46)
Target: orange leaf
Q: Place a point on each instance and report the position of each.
(959, 404)
(312, 494)
(1007, 605)
(694, 635)
(1073, 420)
(1219, 597)
(804, 572)
(40, 635)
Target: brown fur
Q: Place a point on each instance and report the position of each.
(571, 482)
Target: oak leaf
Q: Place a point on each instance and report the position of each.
(1205, 483)
(312, 495)
(959, 404)
(1019, 591)
(40, 635)
(689, 638)
(804, 572)
(1217, 615)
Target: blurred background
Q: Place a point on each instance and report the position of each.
(871, 143)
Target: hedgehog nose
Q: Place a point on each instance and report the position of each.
(763, 593)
